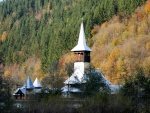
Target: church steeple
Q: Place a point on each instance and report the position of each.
(81, 50)
(81, 46)
(82, 62)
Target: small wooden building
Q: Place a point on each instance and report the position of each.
(28, 89)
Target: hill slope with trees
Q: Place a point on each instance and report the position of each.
(36, 33)
(122, 45)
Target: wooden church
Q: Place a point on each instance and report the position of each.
(82, 62)
(28, 89)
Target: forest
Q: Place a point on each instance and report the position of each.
(37, 34)
(36, 37)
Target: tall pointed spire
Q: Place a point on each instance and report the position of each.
(81, 46)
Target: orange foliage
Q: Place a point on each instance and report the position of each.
(121, 47)
(111, 63)
(3, 37)
(66, 59)
(61, 62)
(140, 15)
(147, 7)
(105, 24)
(31, 67)
(11, 72)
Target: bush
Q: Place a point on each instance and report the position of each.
(106, 103)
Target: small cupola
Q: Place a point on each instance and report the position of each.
(37, 84)
(28, 84)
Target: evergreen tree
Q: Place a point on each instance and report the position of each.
(52, 26)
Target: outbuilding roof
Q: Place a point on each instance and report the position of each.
(28, 84)
(22, 90)
(37, 84)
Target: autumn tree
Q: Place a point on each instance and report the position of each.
(94, 83)
(32, 30)
(147, 7)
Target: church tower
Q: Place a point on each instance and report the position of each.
(82, 61)
(81, 52)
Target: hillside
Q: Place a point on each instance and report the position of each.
(121, 46)
(36, 33)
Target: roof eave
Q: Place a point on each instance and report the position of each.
(79, 48)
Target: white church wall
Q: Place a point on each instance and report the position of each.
(82, 66)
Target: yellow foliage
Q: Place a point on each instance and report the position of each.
(3, 37)
(67, 58)
(115, 42)
(48, 7)
(146, 65)
(120, 64)
(95, 30)
(125, 35)
(66, 8)
(114, 54)
(110, 65)
(143, 28)
(148, 45)
(7, 73)
(125, 45)
(38, 74)
(131, 29)
(102, 40)
(118, 76)
(37, 65)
